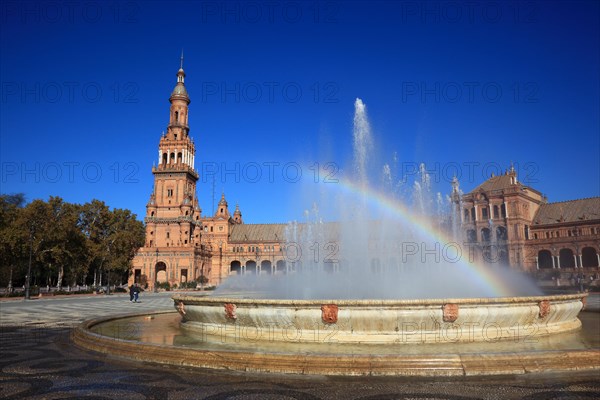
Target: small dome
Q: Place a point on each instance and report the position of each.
(179, 90)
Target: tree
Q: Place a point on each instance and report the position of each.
(12, 250)
(113, 238)
(31, 229)
(64, 246)
(94, 221)
(54, 241)
(128, 235)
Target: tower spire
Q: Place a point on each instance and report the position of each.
(181, 63)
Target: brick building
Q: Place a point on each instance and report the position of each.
(506, 221)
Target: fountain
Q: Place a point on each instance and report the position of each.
(388, 289)
(401, 281)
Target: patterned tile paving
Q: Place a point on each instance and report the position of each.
(38, 361)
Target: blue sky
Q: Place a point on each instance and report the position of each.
(464, 87)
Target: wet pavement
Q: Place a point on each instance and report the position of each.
(38, 360)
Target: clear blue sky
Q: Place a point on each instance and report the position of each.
(465, 87)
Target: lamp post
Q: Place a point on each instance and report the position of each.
(28, 277)
(202, 261)
(258, 266)
(155, 289)
(108, 269)
(220, 260)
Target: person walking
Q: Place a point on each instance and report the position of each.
(136, 293)
(131, 292)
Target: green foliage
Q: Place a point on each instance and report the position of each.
(113, 236)
(188, 285)
(68, 242)
(163, 285)
(13, 254)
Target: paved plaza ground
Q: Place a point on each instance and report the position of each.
(38, 361)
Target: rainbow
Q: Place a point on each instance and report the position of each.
(477, 273)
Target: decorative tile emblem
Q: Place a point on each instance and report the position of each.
(230, 309)
(544, 308)
(180, 307)
(450, 311)
(329, 313)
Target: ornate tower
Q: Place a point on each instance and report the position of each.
(237, 215)
(173, 252)
(174, 194)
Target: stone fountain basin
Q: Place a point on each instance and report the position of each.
(230, 319)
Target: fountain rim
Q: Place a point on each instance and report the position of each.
(424, 365)
(210, 299)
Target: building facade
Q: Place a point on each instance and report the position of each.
(505, 221)
(502, 222)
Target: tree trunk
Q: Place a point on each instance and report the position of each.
(10, 285)
(60, 277)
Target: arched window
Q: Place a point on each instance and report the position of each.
(265, 267)
(486, 235)
(501, 233)
(496, 212)
(589, 257)
(544, 259)
(235, 268)
(176, 117)
(172, 158)
(471, 236)
(280, 267)
(164, 158)
(566, 258)
(251, 267)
